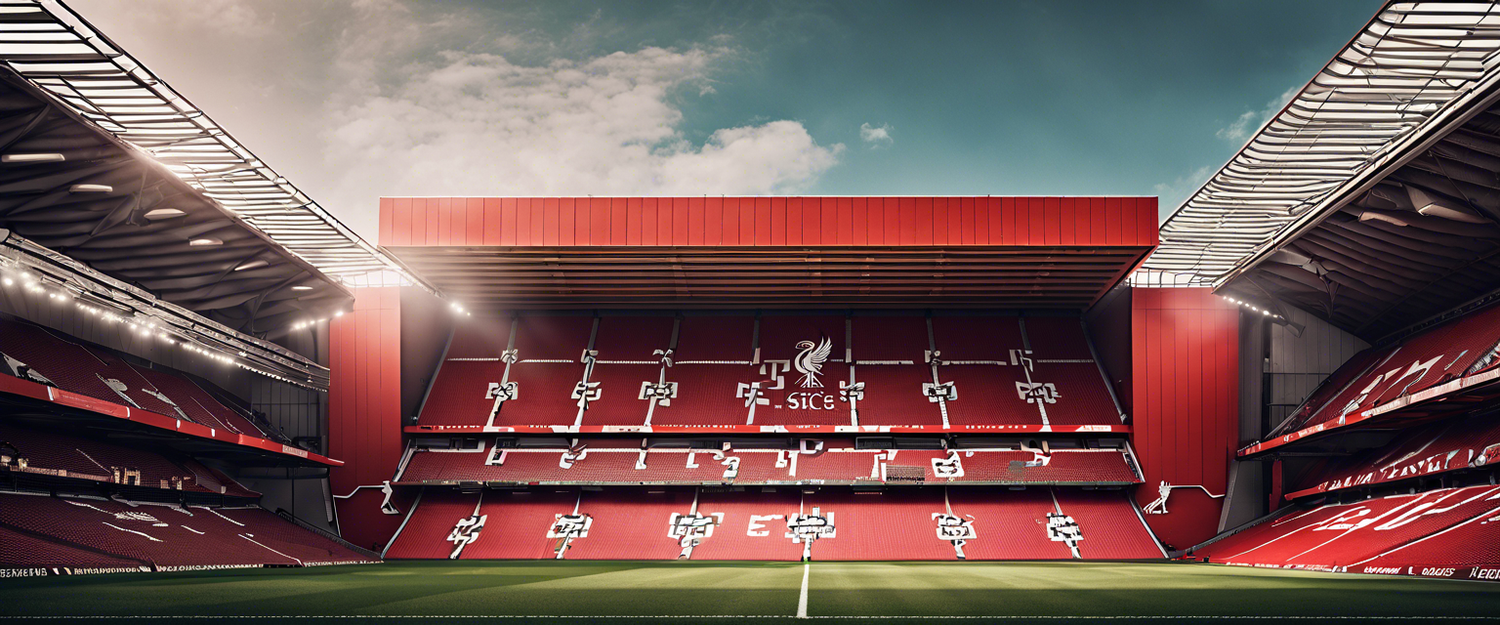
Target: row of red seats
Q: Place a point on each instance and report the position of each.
(1457, 348)
(975, 523)
(33, 450)
(620, 462)
(1449, 530)
(806, 370)
(59, 531)
(52, 358)
(27, 551)
(1431, 449)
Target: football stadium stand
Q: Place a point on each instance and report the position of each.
(503, 385)
(642, 523)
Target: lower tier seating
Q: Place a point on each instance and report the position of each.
(637, 523)
(1446, 533)
(103, 533)
(20, 550)
(623, 462)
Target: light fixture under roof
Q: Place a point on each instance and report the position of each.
(90, 188)
(254, 264)
(157, 214)
(33, 158)
(205, 241)
(1427, 204)
(302, 287)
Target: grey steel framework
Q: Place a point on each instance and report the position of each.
(1414, 69)
(55, 49)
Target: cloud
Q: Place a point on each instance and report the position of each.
(1250, 121)
(478, 124)
(875, 137)
(1239, 130)
(1173, 194)
(354, 99)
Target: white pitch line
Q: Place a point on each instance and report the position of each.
(802, 599)
(1343, 618)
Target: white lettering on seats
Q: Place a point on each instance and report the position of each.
(758, 524)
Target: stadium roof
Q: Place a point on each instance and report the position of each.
(74, 190)
(56, 50)
(772, 252)
(1362, 200)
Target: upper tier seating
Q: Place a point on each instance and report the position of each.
(1450, 445)
(834, 462)
(1441, 528)
(571, 373)
(161, 535)
(1457, 348)
(60, 361)
(702, 524)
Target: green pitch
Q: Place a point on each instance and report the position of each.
(757, 592)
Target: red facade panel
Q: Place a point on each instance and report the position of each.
(364, 409)
(387, 216)
(1186, 389)
(444, 210)
(769, 221)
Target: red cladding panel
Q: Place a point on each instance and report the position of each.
(364, 409)
(769, 221)
(1186, 385)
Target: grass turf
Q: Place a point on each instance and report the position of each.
(754, 590)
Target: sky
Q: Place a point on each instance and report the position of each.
(357, 99)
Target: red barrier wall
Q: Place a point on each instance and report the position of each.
(1185, 349)
(769, 221)
(364, 411)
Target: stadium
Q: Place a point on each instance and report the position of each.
(221, 403)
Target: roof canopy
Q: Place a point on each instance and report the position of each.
(1423, 240)
(75, 190)
(60, 53)
(785, 252)
(1413, 74)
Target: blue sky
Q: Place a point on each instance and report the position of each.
(353, 99)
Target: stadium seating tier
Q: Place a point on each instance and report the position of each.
(158, 534)
(621, 462)
(782, 371)
(1451, 527)
(775, 524)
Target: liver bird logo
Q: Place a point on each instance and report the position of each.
(809, 361)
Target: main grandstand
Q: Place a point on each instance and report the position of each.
(1298, 370)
